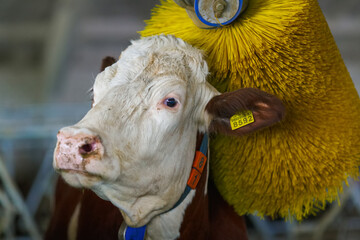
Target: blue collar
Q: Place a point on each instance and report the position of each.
(196, 171)
(135, 233)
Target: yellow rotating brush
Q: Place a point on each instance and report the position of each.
(283, 47)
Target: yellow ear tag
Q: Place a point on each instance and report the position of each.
(241, 119)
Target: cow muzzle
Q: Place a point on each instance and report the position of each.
(76, 148)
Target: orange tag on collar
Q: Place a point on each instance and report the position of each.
(199, 161)
(194, 178)
(197, 169)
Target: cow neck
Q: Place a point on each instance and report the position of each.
(199, 163)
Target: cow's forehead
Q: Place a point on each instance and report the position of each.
(155, 66)
(152, 65)
(150, 58)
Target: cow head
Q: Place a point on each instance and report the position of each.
(136, 145)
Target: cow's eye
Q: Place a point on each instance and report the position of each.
(171, 102)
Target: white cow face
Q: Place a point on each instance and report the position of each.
(136, 145)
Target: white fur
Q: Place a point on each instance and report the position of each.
(149, 147)
(167, 226)
(73, 224)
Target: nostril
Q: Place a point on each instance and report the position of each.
(86, 148)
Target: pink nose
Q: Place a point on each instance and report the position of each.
(75, 151)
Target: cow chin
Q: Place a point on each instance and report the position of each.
(80, 179)
(136, 212)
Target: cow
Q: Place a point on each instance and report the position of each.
(137, 159)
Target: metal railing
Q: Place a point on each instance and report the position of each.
(31, 124)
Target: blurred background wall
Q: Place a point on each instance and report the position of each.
(50, 53)
(50, 50)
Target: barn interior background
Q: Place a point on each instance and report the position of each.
(50, 53)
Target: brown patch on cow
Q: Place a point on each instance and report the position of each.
(225, 223)
(98, 219)
(66, 200)
(209, 216)
(106, 62)
(266, 108)
(196, 222)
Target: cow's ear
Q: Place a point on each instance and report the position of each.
(243, 111)
(106, 62)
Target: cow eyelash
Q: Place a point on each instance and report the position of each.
(90, 92)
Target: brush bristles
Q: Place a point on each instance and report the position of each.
(283, 47)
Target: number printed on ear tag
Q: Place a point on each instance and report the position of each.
(241, 119)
